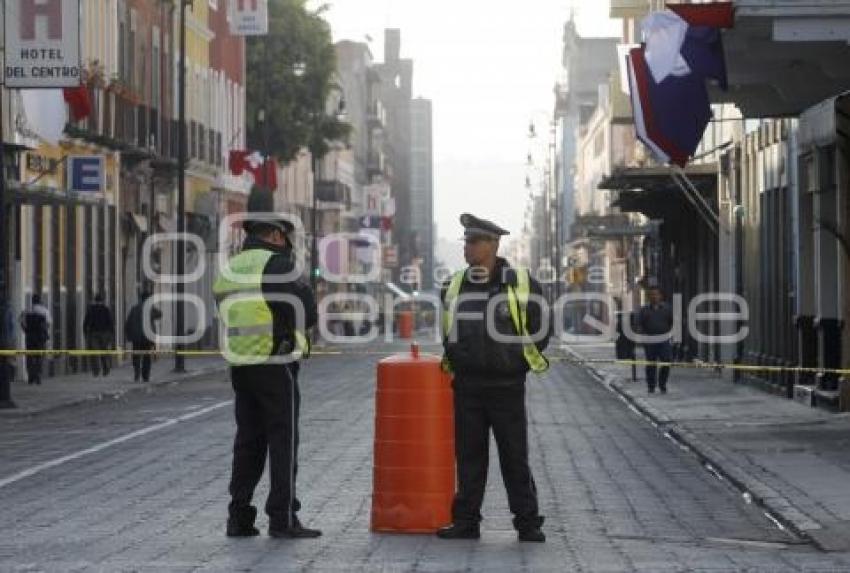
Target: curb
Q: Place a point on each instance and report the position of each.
(779, 507)
(111, 394)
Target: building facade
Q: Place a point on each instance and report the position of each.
(422, 191)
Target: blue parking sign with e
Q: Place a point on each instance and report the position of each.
(87, 173)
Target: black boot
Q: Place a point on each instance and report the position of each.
(460, 531)
(529, 528)
(532, 535)
(241, 523)
(294, 531)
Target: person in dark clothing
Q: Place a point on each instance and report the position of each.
(99, 330)
(7, 339)
(142, 341)
(489, 379)
(656, 319)
(267, 396)
(35, 323)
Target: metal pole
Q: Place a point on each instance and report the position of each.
(5, 241)
(180, 246)
(266, 186)
(314, 249)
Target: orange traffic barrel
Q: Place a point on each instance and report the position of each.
(405, 324)
(414, 472)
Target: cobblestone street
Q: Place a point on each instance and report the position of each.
(139, 484)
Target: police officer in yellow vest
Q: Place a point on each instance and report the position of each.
(265, 313)
(489, 377)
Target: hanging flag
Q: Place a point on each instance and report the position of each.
(682, 49)
(78, 102)
(253, 162)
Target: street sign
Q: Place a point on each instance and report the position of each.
(249, 17)
(42, 44)
(86, 174)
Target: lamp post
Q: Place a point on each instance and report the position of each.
(316, 167)
(5, 240)
(180, 245)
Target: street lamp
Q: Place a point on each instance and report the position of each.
(5, 311)
(315, 268)
(180, 246)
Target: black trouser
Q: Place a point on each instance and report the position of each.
(658, 352)
(34, 362)
(266, 423)
(142, 362)
(100, 341)
(476, 412)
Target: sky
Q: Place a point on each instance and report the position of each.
(490, 68)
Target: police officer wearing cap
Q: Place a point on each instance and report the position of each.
(263, 335)
(489, 377)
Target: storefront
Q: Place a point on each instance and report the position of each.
(64, 244)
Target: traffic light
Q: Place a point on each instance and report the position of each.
(317, 272)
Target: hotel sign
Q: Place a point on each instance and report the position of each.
(249, 17)
(42, 44)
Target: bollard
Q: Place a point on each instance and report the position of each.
(405, 324)
(414, 468)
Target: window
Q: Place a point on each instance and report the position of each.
(122, 41)
(130, 76)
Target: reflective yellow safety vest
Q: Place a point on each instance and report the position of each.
(518, 303)
(247, 317)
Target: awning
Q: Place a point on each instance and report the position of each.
(703, 175)
(784, 56)
(660, 192)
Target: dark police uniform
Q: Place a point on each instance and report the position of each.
(267, 399)
(489, 393)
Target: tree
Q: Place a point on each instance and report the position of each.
(290, 74)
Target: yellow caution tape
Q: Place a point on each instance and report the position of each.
(566, 359)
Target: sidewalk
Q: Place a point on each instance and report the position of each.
(63, 391)
(793, 460)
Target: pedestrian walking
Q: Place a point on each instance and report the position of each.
(265, 312)
(99, 330)
(141, 336)
(656, 319)
(489, 378)
(35, 322)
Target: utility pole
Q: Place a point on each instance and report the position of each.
(180, 245)
(5, 241)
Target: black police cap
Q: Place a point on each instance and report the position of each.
(476, 227)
